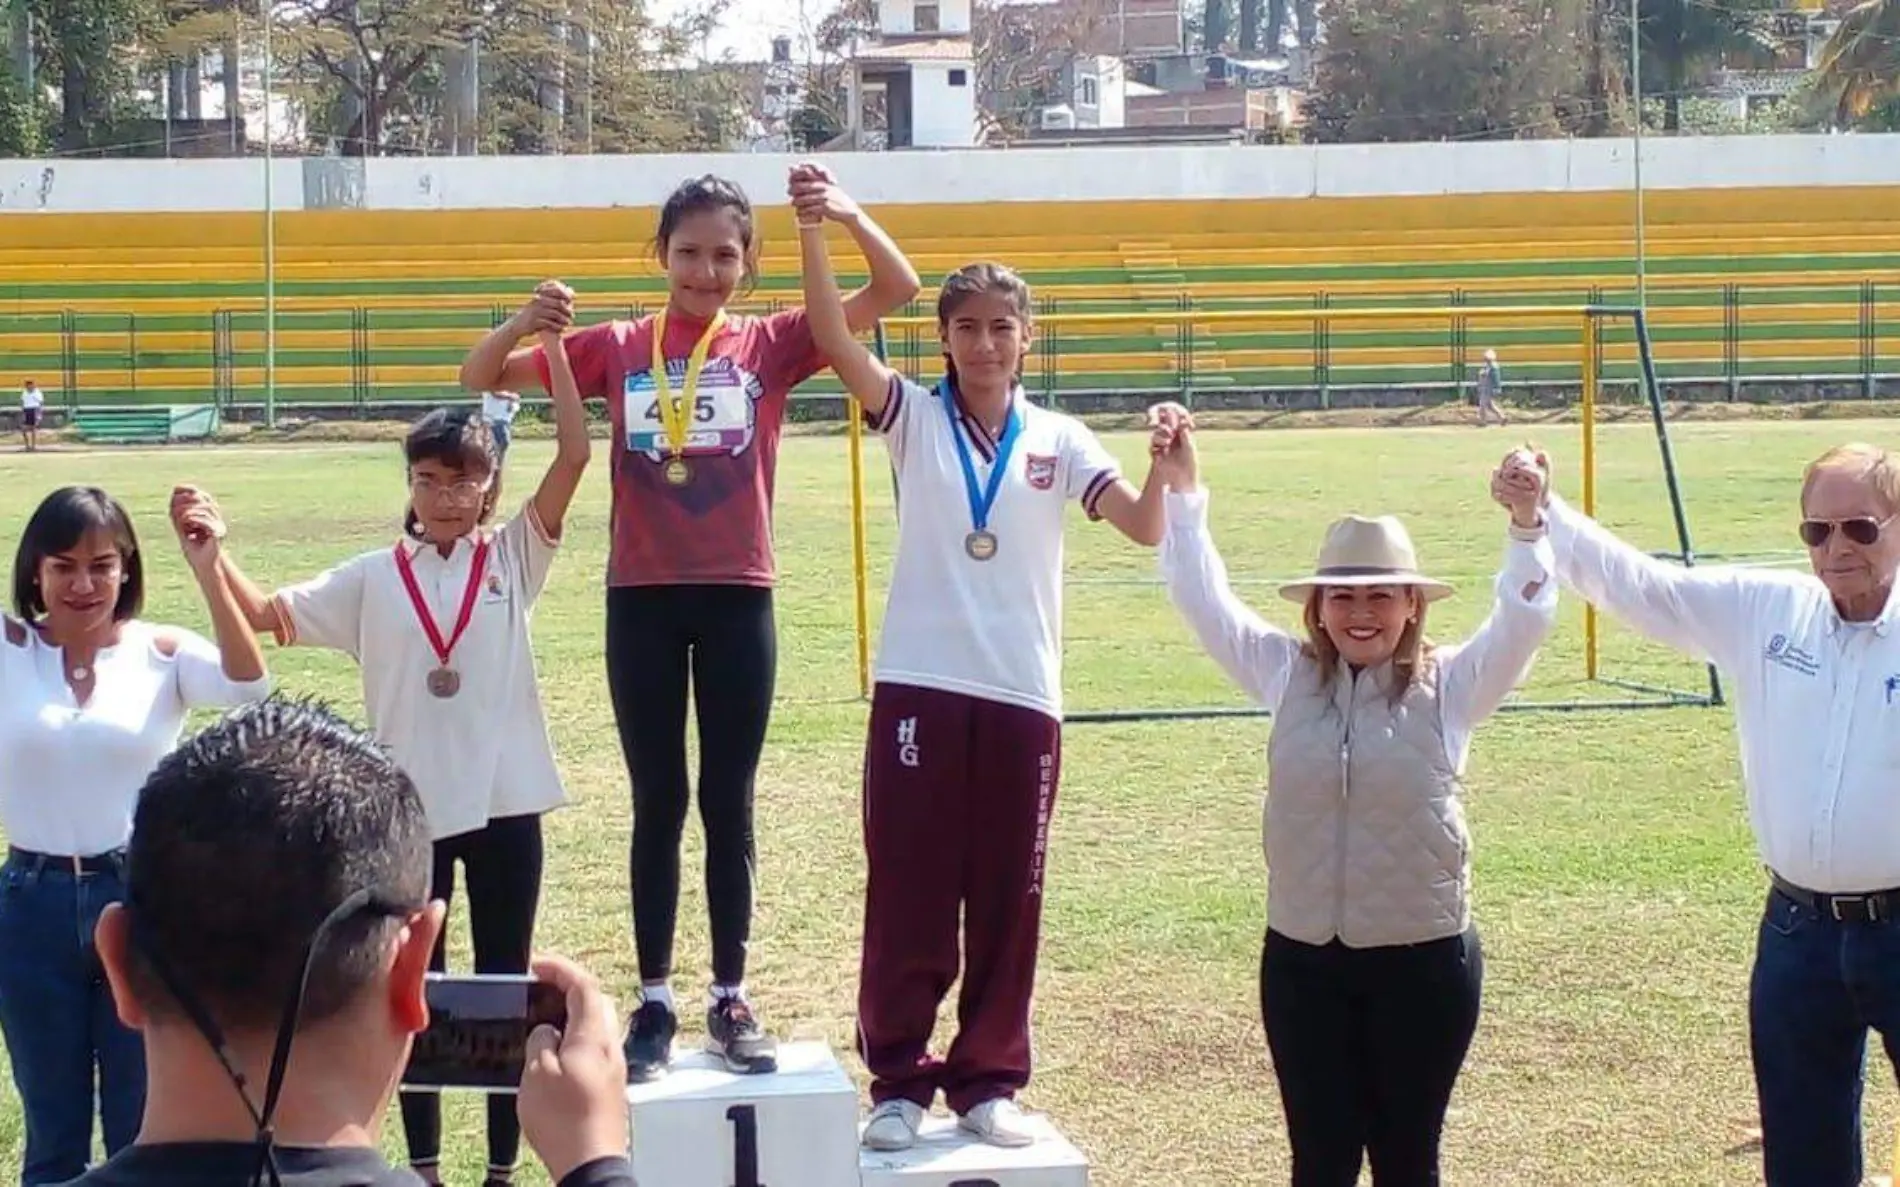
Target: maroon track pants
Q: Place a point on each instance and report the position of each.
(957, 797)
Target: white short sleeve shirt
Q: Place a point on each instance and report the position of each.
(989, 629)
(483, 753)
(73, 772)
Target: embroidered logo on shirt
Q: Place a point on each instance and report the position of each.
(1040, 469)
(1780, 651)
(1893, 686)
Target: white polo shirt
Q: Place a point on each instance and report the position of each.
(1817, 699)
(483, 753)
(32, 397)
(989, 629)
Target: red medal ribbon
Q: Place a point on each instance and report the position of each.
(421, 604)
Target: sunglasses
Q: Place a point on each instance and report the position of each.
(1862, 530)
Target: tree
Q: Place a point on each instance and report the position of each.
(1217, 25)
(92, 57)
(372, 55)
(22, 119)
(1859, 72)
(1023, 52)
(1449, 69)
(1681, 38)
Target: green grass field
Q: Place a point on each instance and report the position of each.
(1616, 881)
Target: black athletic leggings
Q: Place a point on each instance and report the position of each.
(502, 863)
(724, 635)
(1367, 1044)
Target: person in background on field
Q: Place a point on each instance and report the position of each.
(1814, 660)
(963, 752)
(440, 627)
(278, 923)
(696, 396)
(91, 697)
(32, 409)
(499, 409)
(1490, 390)
(1371, 972)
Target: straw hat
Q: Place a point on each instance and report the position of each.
(1362, 551)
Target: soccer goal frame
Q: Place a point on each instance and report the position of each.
(1627, 694)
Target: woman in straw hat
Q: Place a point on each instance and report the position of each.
(1371, 970)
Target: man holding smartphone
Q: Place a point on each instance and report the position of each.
(279, 857)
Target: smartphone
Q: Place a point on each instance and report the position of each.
(478, 1030)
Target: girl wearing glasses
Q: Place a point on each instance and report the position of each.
(439, 627)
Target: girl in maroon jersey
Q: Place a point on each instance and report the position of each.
(696, 397)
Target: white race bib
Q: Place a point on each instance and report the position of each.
(719, 421)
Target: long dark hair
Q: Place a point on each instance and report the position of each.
(975, 280)
(61, 521)
(458, 438)
(706, 195)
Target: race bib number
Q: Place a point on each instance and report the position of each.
(719, 420)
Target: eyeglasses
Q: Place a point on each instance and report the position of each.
(468, 490)
(1862, 530)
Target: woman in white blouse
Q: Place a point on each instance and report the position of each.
(90, 699)
(1371, 970)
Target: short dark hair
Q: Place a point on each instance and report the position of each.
(58, 524)
(460, 438)
(704, 195)
(245, 838)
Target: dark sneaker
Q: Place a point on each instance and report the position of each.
(733, 1033)
(649, 1045)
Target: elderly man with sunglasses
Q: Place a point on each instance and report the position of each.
(1815, 664)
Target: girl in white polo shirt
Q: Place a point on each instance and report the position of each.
(964, 749)
(440, 627)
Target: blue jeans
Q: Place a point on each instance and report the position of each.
(1818, 986)
(503, 432)
(57, 1016)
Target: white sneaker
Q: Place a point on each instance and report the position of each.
(999, 1122)
(893, 1125)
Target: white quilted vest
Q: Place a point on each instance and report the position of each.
(1365, 832)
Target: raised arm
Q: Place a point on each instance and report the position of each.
(193, 509)
(863, 374)
(571, 446)
(893, 281)
(1142, 515)
(1702, 611)
(495, 364)
(241, 658)
(1255, 654)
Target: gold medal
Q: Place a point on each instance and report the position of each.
(677, 411)
(980, 544)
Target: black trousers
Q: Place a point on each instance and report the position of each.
(723, 637)
(502, 863)
(1367, 1044)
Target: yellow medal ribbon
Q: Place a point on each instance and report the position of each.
(674, 411)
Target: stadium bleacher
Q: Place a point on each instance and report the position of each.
(165, 309)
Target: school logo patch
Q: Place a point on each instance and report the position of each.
(1040, 469)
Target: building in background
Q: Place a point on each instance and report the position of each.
(915, 86)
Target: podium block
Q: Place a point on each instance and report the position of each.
(945, 1156)
(702, 1126)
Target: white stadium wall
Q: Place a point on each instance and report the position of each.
(973, 176)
